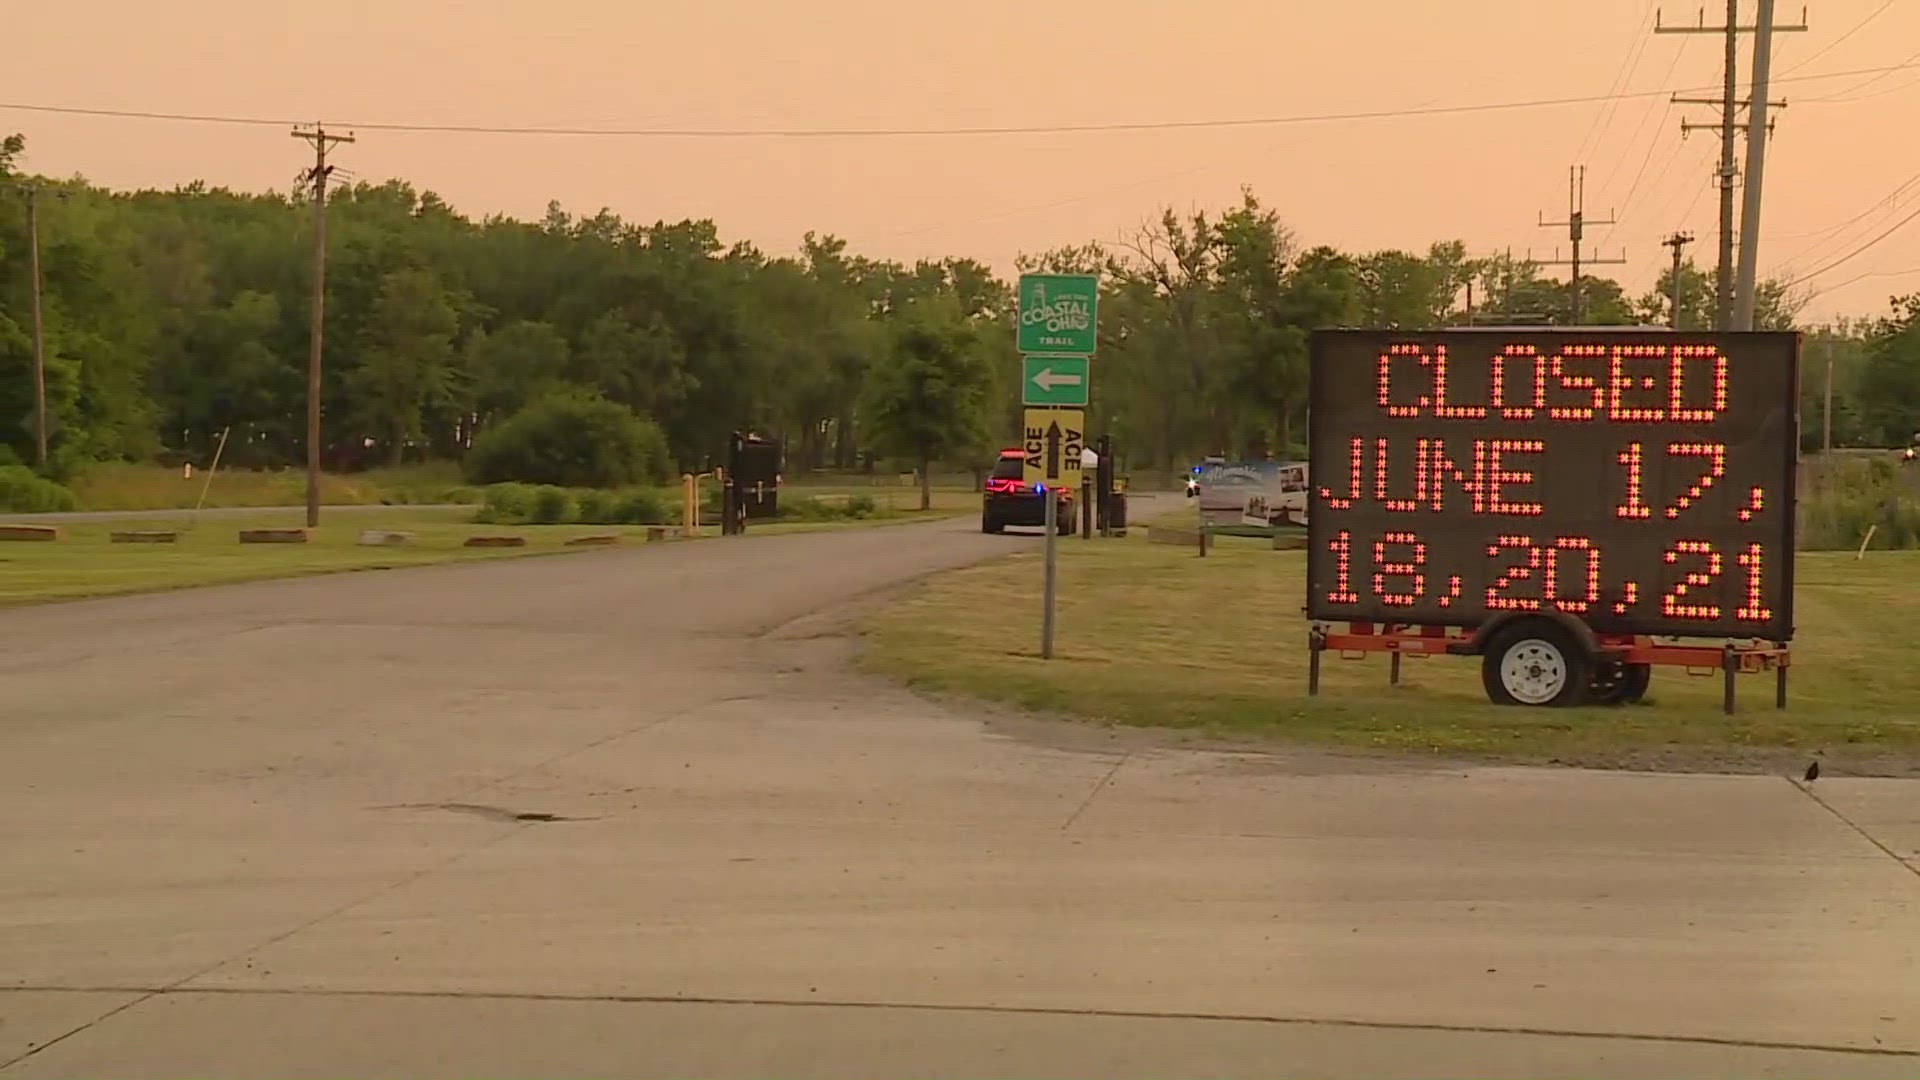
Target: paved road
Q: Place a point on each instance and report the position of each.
(276, 831)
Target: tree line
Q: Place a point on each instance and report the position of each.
(172, 316)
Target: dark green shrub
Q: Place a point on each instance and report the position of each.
(596, 507)
(861, 506)
(508, 503)
(572, 440)
(23, 492)
(462, 496)
(643, 506)
(552, 505)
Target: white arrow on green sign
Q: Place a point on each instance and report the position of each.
(1055, 380)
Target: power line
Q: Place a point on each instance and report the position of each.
(1886, 200)
(1847, 94)
(1603, 118)
(856, 133)
(1855, 253)
(1830, 46)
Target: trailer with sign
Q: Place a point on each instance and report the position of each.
(1575, 507)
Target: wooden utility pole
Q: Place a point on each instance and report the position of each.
(1575, 225)
(32, 192)
(1826, 434)
(1729, 105)
(1676, 242)
(39, 331)
(321, 140)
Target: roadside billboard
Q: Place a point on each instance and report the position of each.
(1252, 494)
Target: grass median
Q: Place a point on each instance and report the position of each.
(85, 562)
(1152, 635)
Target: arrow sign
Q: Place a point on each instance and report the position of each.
(1046, 380)
(1052, 440)
(1055, 380)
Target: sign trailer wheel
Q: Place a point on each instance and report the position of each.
(1535, 662)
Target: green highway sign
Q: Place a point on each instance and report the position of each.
(1057, 313)
(1055, 380)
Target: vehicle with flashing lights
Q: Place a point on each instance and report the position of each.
(1574, 506)
(1008, 499)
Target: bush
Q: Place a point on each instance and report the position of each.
(23, 492)
(809, 508)
(463, 496)
(643, 506)
(508, 503)
(527, 504)
(596, 507)
(861, 506)
(572, 440)
(552, 505)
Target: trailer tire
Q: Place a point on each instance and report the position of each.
(1535, 662)
(1620, 684)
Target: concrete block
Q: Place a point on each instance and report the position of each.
(600, 540)
(145, 536)
(385, 538)
(29, 532)
(656, 533)
(496, 541)
(273, 536)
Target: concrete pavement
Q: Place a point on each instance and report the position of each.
(283, 830)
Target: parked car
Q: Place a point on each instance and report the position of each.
(1010, 500)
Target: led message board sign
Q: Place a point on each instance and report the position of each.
(1639, 480)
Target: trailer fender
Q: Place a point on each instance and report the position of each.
(1578, 627)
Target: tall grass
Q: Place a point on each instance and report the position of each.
(124, 486)
(1843, 498)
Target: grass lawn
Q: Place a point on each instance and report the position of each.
(1152, 635)
(126, 486)
(85, 563)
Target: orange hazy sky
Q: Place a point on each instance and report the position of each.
(1359, 184)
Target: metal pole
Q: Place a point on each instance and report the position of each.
(39, 332)
(1047, 584)
(207, 484)
(1756, 166)
(1723, 288)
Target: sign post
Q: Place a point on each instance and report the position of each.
(1056, 333)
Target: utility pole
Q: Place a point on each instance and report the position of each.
(1729, 105)
(1576, 231)
(1756, 167)
(1676, 242)
(32, 192)
(1826, 434)
(321, 140)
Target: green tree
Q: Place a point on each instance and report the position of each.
(1890, 377)
(406, 359)
(516, 364)
(925, 401)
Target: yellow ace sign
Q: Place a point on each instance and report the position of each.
(1053, 439)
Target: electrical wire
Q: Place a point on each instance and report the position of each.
(1887, 200)
(1830, 46)
(856, 133)
(1855, 253)
(1847, 94)
(1603, 118)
